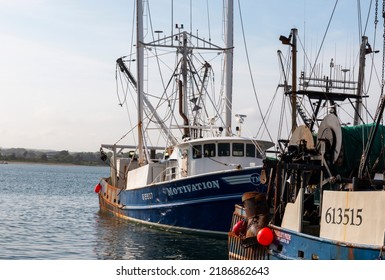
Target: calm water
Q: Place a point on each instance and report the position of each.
(51, 212)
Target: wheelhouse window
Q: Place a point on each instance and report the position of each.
(209, 150)
(197, 151)
(238, 149)
(250, 150)
(224, 149)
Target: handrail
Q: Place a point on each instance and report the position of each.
(164, 174)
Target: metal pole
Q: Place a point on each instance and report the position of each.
(229, 66)
(294, 81)
(360, 81)
(140, 62)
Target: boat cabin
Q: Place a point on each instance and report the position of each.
(212, 154)
(194, 157)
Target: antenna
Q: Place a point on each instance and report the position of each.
(240, 118)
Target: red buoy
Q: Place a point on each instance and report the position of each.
(98, 187)
(265, 236)
(240, 227)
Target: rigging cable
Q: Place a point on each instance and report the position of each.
(367, 17)
(251, 75)
(205, 90)
(283, 105)
(371, 54)
(127, 89)
(313, 68)
(379, 113)
(372, 68)
(130, 56)
(156, 51)
(167, 98)
(283, 74)
(117, 87)
(304, 53)
(208, 19)
(323, 39)
(191, 16)
(383, 50)
(382, 81)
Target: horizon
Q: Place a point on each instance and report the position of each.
(44, 150)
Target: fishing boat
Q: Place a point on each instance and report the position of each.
(191, 181)
(326, 189)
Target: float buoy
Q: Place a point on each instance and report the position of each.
(240, 227)
(265, 236)
(98, 187)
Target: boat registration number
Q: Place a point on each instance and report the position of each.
(147, 196)
(345, 216)
(354, 217)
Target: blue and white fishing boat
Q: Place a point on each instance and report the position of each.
(326, 193)
(191, 181)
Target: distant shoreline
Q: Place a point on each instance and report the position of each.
(22, 156)
(49, 163)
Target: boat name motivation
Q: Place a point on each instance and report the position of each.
(191, 188)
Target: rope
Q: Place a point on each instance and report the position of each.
(251, 75)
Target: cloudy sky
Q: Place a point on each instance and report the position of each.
(57, 59)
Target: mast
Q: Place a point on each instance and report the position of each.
(140, 62)
(292, 42)
(229, 65)
(184, 93)
(358, 107)
(294, 81)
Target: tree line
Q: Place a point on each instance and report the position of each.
(39, 156)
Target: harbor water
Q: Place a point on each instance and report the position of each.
(50, 212)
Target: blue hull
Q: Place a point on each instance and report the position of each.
(202, 204)
(293, 245)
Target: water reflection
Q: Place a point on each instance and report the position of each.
(51, 212)
(121, 239)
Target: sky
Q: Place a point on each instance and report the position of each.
(57, 60)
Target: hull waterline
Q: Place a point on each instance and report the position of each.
(202, 204)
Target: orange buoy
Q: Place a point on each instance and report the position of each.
(265, 236)
(98, 187)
